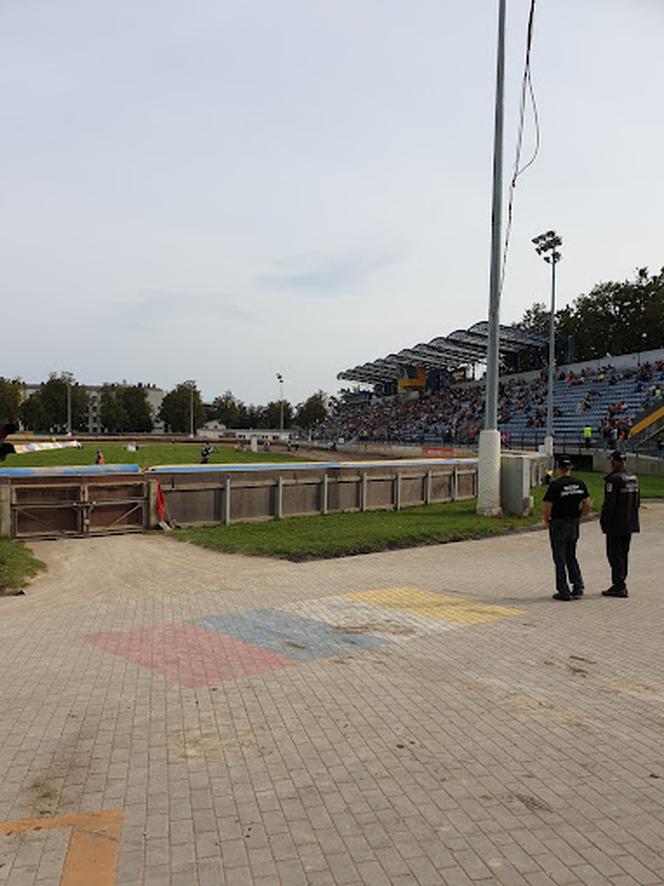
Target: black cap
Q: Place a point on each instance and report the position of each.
(618, 456)
(564, 461)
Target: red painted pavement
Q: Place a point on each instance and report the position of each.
(188, 654)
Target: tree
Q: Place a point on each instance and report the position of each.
(53, 395)
(112, 414)
(175, 409)
(33, 415)
(137, 409)
(256, 417)
(272, 414)
(229, 410)
(10, 399)
(613, 318)
(312, 411)
(535, 319)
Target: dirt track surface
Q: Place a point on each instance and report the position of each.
(427, 716)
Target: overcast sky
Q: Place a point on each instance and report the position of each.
(226, 189)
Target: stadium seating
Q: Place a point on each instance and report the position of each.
(605, 399)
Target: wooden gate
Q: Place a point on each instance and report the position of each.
(78, 506)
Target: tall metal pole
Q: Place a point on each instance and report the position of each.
(281, 404)
(191, 408)
(488, 495)
(548, 442)
(69, 406)
(547, 245)
(280, 379)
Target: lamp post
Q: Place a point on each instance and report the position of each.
(280, 379)
(488, 468)
(192, 385)
(547, 245)
(68, 377)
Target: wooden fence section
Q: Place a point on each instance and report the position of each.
(40, 507)
(229, 497)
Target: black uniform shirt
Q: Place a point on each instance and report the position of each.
(566, 495)
(620, 511)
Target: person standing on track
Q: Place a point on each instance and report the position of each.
(565, 502)
(619, 519)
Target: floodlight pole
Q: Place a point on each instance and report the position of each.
(547, 245)
(280, 378)
(548, 440)
(191, 384)
(488, 491)
(67, 376)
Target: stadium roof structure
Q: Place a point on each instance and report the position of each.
(463, 347)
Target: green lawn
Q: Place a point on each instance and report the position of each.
(17, 564)
(339, 535)
(149, 454)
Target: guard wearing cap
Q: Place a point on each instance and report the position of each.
(619, 519)
(565, 502)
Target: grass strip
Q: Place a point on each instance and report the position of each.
(17, 564)
(146, 455)
(341, 535)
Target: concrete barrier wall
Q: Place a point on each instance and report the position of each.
(216, 494)
(640, 464)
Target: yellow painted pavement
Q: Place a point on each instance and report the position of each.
(455, 610)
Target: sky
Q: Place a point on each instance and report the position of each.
(221, 191)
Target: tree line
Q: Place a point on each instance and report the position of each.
(613, 318)
(124, 408)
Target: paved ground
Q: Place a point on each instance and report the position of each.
(415, 717)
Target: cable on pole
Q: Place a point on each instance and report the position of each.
(527, 93)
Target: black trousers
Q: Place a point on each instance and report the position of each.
(563, 535)
(617, 552)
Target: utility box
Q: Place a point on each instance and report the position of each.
(515, 497)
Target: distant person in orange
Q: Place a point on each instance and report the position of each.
(99, 458)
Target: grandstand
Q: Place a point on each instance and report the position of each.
(421, 394)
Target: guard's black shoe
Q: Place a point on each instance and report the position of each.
(615, 592)
(562, 597)
(577, 592)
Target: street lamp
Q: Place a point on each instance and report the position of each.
(192, 386)
(68, 378)
(547, 245)
(280, 379)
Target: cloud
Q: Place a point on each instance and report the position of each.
(325, 276)
(153, 306)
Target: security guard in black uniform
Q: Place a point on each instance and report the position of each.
(565, 501)
(619, 519)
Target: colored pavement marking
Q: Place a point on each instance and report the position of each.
(454, 610)
(94, 843)
(354, 617)
(189, 654)
(302, 639)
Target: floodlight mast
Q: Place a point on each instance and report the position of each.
(488, 491)
(547, 245)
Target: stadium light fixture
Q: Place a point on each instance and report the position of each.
(547, 246)
(488, 481)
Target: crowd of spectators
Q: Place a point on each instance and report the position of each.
(456, 414)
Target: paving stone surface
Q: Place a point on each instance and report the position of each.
(427, 716)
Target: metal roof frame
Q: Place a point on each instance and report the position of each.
(462, 347)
